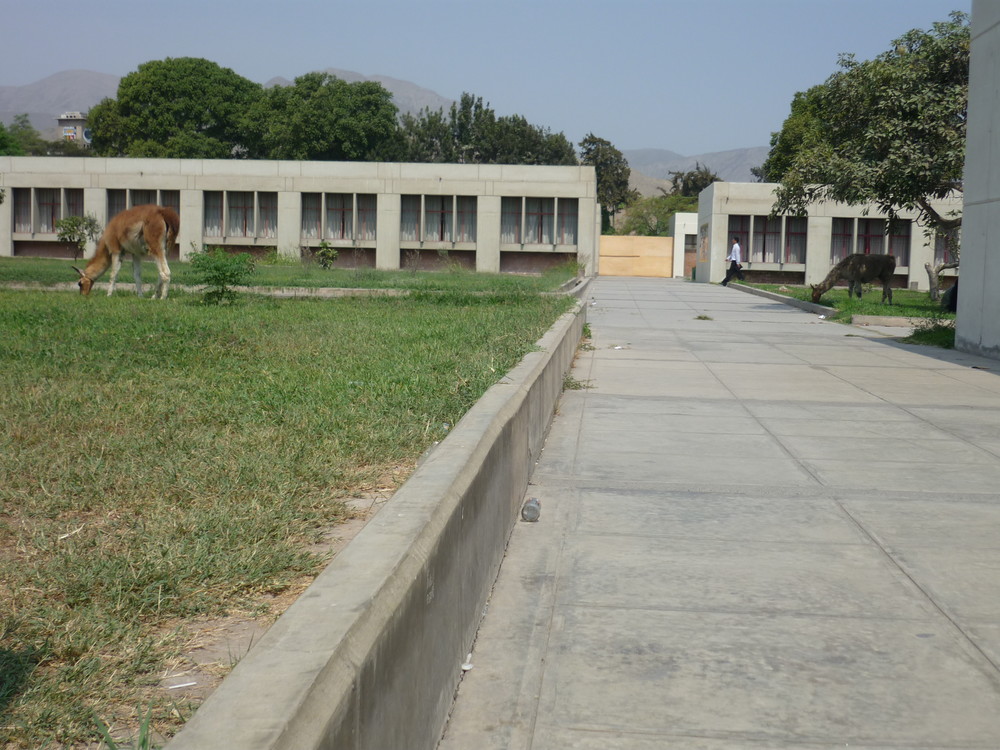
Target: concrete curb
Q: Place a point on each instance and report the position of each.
(801, 304)
(370, 655)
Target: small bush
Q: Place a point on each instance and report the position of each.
(326, 255)
(220, 271)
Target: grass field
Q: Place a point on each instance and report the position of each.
(165, 460)
(45, 272)
(937, 331)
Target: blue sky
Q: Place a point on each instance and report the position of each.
(692, 76)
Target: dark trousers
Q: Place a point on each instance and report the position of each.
(734, 270)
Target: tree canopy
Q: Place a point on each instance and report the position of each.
(471, 133)
(692, 182)
(321, 117)
(890, 131)
(183, 107)
(8, 143)
(613, 174)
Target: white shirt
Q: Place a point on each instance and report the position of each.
(734, 254)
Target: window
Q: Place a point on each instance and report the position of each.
(510, 221)
(49, 208)
(239, 206)
(171, 199)
(409, 230)
(143, 197)
(213, 213)
(367, 214)
(841, 239)
(871, 236)
(899, 241)
(267, 215)
(943, 244)
(22, 210)
(795, 239)
(116, 202)
(311, 209)
(766, 245)
(567, 220)
(465, 227)
(74, 202)
(539, 217)
(339, 216)
(437, 218)
(739, 226)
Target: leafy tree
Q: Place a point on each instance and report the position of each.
(183, 107)
(692, 182)
(800, 131)
(27, 138)
(322, 117)
(890, 131)
(471, 133)
(79, 230)
(8, 143)
(613, 174)
(650, 216)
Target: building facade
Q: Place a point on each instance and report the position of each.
(803, 249)
(977, 326)
(490, 217)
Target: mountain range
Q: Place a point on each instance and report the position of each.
(79, 90)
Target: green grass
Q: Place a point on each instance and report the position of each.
(164, 460)
(45, 272)
(906, 303)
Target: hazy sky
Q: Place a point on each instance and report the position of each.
(692, 76)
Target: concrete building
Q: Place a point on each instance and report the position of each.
(802, 250)
(977, 328)
(73, 127)
(498, 218)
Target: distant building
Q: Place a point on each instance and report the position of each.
(73, 127)
(487, 217)
(803, 249)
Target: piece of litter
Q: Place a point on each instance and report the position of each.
(182, 685)
(822, 317)
(468, 663)
(619, 347)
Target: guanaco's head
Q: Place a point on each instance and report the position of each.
(817, 293)
(84, 283)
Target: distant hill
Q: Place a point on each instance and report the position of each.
(45, 100)
(651, 167)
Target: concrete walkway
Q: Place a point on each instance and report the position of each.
(758, 530)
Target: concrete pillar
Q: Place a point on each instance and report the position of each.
(289, 224)
(488, 233)
(819, 235)
(192, 212)
(389, 214)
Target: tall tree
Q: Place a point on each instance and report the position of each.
(692, 182)
(613, 174)
(183, 107)
(321, 117)
(471, 133)
(891, 131)
(800, 132)
(8, 144)
(650, 216)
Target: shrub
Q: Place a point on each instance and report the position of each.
(220, 271)
(326, 254)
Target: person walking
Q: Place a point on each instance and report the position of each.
(735, 269)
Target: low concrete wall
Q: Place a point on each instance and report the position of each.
(370, 655)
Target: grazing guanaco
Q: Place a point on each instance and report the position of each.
(859, 269)
(139, 231)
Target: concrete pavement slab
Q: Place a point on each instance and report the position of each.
(758, 530)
